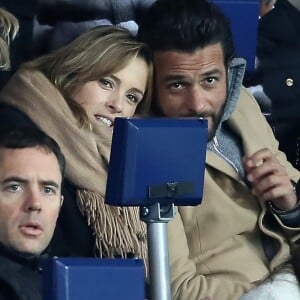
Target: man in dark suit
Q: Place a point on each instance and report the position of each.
(31, 172)
(278, 53)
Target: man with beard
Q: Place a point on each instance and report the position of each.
(249, 216)
(31, 171)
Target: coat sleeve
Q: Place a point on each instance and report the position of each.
(186, 282)
(289, 221)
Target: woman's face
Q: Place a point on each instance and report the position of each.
(116, 95)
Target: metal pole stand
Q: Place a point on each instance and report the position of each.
(156, 217)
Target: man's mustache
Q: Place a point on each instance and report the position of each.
(204, 115)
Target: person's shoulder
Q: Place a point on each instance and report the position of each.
(28, 82)
(21, 76)
(13, 117)
(273, 21)
(5, 291)
(246, 98)
(247, 105)
(21, 8)
(7, 276)
(30, 74)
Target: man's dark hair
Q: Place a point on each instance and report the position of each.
(28, 137)
(185, 26)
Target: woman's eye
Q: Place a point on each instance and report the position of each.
(107, 83)
(132, 98)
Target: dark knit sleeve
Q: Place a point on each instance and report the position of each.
(12, 117)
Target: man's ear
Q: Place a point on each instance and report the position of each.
(61, 200)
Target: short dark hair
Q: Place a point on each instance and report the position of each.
(29, 137)
(186, 25)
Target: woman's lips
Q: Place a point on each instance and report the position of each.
(104, 120)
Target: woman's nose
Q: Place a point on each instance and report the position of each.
(115, 103)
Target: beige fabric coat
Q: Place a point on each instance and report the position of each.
(215, 248)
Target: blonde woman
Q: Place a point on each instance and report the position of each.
(9, 27)
(74, 94)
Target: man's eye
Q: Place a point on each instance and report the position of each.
(210, 80)
(176, 85)
(49, 190)
(14, 188)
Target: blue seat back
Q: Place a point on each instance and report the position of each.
(93, 279)
(243, 15)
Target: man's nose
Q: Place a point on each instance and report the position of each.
(196, 101)
(33, 201)
(115, 102)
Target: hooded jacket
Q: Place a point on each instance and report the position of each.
(216, 248)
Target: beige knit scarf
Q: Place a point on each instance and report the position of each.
(118, 231)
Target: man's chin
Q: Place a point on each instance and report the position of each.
(29, 249)
(211, 133)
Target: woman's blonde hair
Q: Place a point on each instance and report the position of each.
(101, 51)
(9, 27)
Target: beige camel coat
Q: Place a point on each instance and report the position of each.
(215, 248)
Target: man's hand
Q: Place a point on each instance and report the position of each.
(269, 179)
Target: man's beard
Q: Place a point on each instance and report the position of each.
(155, 110)
(215, 120)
